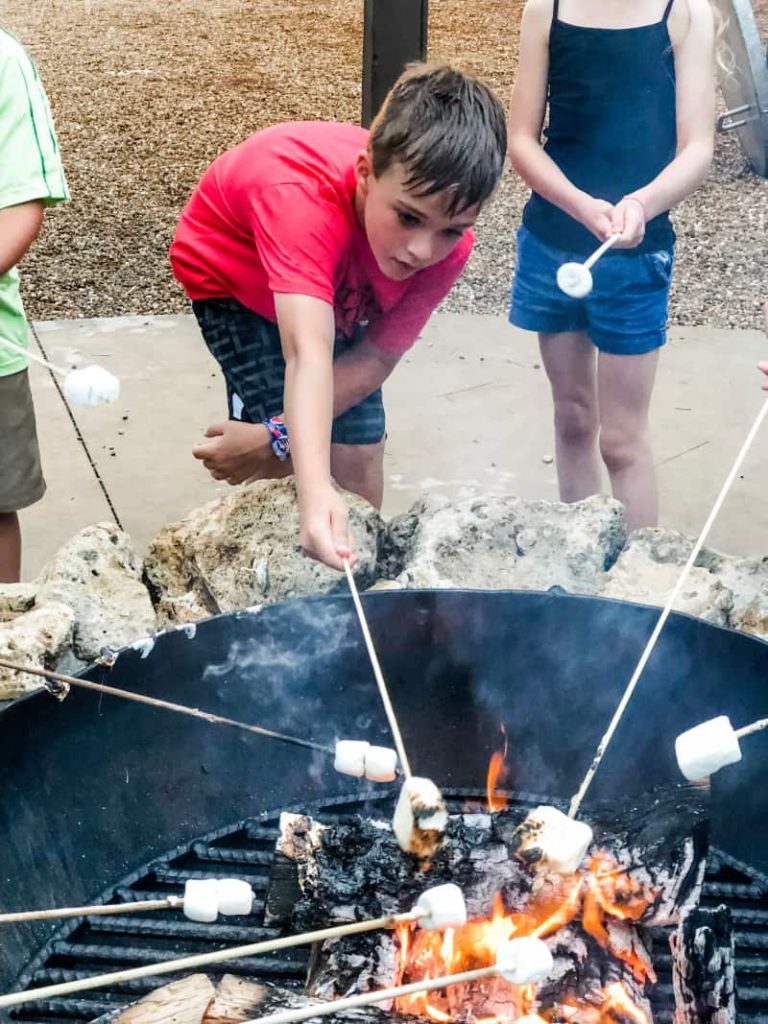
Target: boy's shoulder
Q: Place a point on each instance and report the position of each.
(12, 50)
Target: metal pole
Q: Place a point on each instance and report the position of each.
(394, 34)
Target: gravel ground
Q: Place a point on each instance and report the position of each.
(147, 92)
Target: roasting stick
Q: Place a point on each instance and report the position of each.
(747, 730)
(154, 702)
(377, 671)
(217, 956)
(171, 903)
(603, 746)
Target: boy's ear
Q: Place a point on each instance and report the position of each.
(363, 170)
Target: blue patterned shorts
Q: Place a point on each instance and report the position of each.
(247, 348)
(624, 314)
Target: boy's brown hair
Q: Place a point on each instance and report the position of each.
(447, 130)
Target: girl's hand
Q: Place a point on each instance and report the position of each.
(628, 222)
(597, 216)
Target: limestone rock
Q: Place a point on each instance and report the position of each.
(243, 550)
(505, 542)
(38, 637)
(747, 579)
(649, 567)
(15, 598)
(180, 610)
(98, 575)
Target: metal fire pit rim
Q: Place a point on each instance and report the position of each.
(98, 671)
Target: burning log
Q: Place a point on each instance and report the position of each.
(647, 862)
(703, 967)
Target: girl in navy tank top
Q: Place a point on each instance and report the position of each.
(627, 89)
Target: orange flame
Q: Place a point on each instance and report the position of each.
(601, 893)
(496, 770)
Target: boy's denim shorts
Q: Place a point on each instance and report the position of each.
(624, 314)
(247, 348)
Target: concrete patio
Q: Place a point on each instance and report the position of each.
(469, 414)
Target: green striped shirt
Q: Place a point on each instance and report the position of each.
(30, 168)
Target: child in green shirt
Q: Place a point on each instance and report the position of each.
(31, 178)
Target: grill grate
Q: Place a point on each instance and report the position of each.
(95, 945)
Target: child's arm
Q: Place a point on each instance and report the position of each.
(307, 331)
(19, 227)
(526, 117)
(692, 30)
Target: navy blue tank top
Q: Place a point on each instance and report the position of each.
(612, 123)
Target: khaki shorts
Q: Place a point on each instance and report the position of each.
(21, 477)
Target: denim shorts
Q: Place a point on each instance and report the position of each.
(624, 314)
(247, 348)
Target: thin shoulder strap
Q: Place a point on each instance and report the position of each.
(555, 7)
(667, 9)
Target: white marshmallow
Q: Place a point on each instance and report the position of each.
(235, 897)
(575, 280)
(707, 748)
(91, 385)
(420, 817)
(350, 757)
(380, 764)
(531, 1018)
(445, 907)
(524, 961)
(549, 837)
(201, 899)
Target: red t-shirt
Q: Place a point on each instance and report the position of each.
(277, 214)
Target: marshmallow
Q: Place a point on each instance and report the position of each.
(575, 280)
(201, 899)
(551, 838)
(444, 906)
(350, 757)
(524, 961)
(380, 764)
(531, 1018)
(91, 385)
(235, 897)
(420, 817)
(707, 748)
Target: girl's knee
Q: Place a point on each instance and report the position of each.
(576, 420)
(620, 449)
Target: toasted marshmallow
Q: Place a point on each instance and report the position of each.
(444, 906)
(420, 817)
(707, 748)
(350, 757)
(524, 961)
(551, 839)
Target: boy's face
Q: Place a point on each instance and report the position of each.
(406, 232)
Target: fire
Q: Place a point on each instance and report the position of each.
(596, 896)
(497, 770)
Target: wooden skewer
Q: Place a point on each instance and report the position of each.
(379, 675)
(603, 745)
(104, 909)
(747, 730)
(154, 702)
(202, 959)
(368, 998)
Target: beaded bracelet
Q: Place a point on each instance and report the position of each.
(278, 437)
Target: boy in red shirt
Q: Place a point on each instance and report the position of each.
(314, 254)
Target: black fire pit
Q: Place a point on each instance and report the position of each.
(98, 793)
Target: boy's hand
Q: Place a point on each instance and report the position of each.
(628, 223)
(238, 452)
(597, 216)
(324, 531)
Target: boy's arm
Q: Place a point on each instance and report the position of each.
(692, 29)
(307, 331)
(526, 116)
(19, 227)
